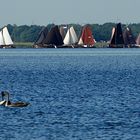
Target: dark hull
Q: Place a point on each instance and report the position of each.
(62, 46)
(132, 46)
(116, 46)
(83, 46)
(65, 46)
(9, 46)
(44, 46)
(123, 46)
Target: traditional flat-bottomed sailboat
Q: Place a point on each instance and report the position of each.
(117, 40)
(71, 38)
(42, 36)
(129, 40)
(86, 39)
(53, 39)
(5, 39)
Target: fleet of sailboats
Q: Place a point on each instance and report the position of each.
(66, 37)
(120, 39)
(57, 38)
(5, 39)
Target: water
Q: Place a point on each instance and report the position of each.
(74, 94)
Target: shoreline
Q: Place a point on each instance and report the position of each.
(30, 45)
(97, 45)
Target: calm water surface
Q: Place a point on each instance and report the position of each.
(74, 94)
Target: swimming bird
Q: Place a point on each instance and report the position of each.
(8, 103)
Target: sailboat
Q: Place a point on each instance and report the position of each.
(138, 41)
(117, 40)
(71, 38)
(53, 39)
(129, 40)
(86, 38)
(42, 36)
(5, 39)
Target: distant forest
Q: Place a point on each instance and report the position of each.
(102, 32)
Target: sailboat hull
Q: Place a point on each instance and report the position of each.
(65, 46)
(116, 46)
(44, 46)
(7, 46)
(83, 46)
(123, 46)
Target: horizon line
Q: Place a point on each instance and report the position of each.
(82, 24)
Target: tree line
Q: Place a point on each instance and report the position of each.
(25, 33)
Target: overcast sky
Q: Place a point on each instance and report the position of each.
(42, 12)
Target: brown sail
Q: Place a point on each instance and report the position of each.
(129, 40)
(53, 38)
(117, 40)
(42, 36)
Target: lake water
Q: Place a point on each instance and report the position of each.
(74, 94)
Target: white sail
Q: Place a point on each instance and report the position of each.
(1, 39)
(80, 41)
(6, 36)
(71, 37)
(113, 31)
(67, 38)
(138, 40)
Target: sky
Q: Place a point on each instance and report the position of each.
(43, 12)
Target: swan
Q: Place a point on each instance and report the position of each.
(8, 103)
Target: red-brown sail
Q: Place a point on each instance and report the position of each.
(87, 36)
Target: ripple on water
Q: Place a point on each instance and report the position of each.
(73, 94)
